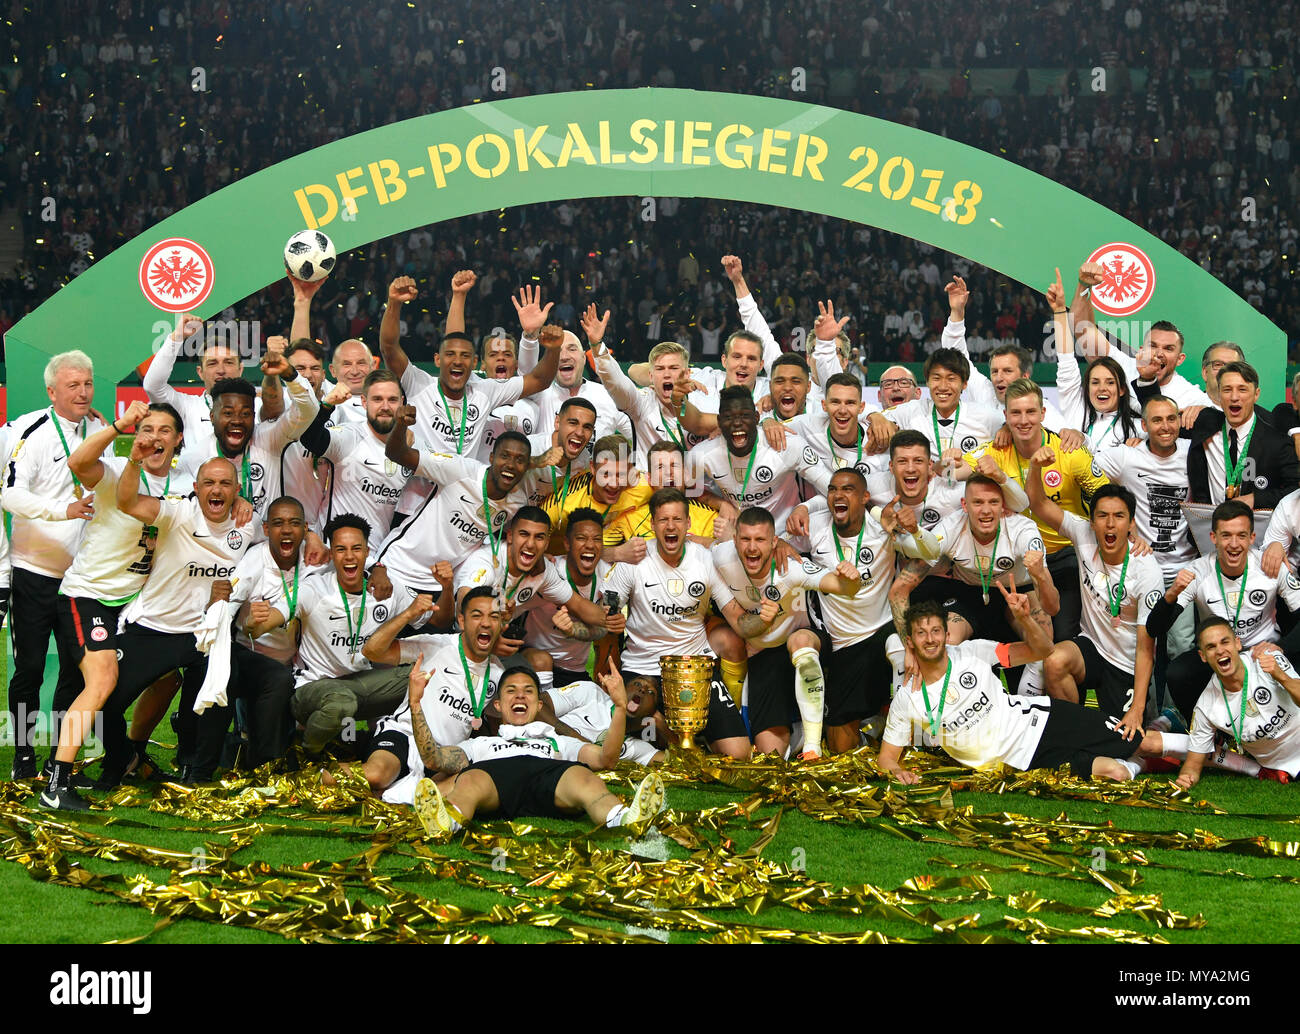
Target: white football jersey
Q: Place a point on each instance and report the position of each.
(364, 481)
(566, 653)
(851, 620)
(942, 497)
(789, 590)
(331, 638)
(667, 606)
(258, 577)
(534, 740)
(1016, 534)
(439, 422)
(1252, 607)
(967, 429)
(813, 428)
(1160, 485)
(586, 709)
(189, 556)
(764, 478)
(1271, 731)
(450, 524)
(524, 591)
(976, 722)
(1140, 588)
(650, 423)
(1284, 527)
(116, 553)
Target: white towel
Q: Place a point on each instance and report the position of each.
(213, 638)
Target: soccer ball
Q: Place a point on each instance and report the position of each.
(309, 255)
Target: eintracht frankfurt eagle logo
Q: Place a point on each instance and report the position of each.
(1128, 279)
(176, 275)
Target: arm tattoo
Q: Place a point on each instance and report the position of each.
(434, 757)
(750, 626)
(584, 632)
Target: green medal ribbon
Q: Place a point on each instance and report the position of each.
(293, 600)
(555, 476)
(574, 587)
(1115, 597)
(477, 703)
(748, 470)
(1241, 594)
(493, 540)
(861, 438)
(936, 720)
(76, 481)
(857, 550)
(986, 580)
(677, 438)
(464, 412)
(1111, 427)
(1233, 471)
(1245, 688)
(353, 634)
(934, 418)
(509, 593)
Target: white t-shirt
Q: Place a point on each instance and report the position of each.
(1255, 615)
(586, 709)
(190, 555)
(967, 429)
(116, 553)
(851, 620)
(1271, 732)
(667, 606)
(764, 478)
(1159, 484)
(534, 740)
(812, 428)
(788, 590)
(450, 524)
(1016, 535)
(364, 481)
(981, 725)
(331, 638)
(1143, 585)
(438, 425)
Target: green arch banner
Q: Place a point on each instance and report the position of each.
(648, 143)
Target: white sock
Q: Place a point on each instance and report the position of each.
(1161, 724)
(1231, 761)
(615, 817)
(809, 695)
(1133, 767)
(1176, 744)
(547, 680)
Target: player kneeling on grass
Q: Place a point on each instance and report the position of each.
(527, 768)
(957, 703)
(1255, 698)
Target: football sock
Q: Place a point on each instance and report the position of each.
(547, 680)
(809, 691)
(733, 677)
(615, 817)
(1231, 761)
(1133, 767)
(1176, 743)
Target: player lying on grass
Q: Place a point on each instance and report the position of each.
(527, 768)
(957, 703)
(1255, 698)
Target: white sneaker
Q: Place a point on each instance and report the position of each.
(647, 802)
(432, 811)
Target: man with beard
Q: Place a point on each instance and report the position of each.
(522, 580)
(473, 503)
(570, 384)
(198, 545)
(454, 408)
(784, 669)
(501, 363)
(956, 703)
(838, 432)
(363, 480)
(746, 470)
(847, 540)
(571, 433)
(586, 709)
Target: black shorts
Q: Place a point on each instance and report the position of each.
(395, 742)
(1077, 734)
(858, 678)
(988, 620)
(86, 624)
(526, 785)
(724, 721)
(561, 677)
(771, 689)
(1112, 684)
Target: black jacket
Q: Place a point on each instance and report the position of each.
(1276, 468)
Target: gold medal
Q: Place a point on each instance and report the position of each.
(1232, 491)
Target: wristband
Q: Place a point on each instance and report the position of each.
(114, 426)
(1059, 312)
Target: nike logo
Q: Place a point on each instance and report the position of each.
(651, 585)
(448, 671)
(200, 535)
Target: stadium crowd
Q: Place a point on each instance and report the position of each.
(491, 566)
(1190, 124)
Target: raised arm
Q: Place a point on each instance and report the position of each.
(979, 388)
(303, 404)
(156, 378)
(85, 460)
(462, 282)
(143, 508)
(381, 647)
(539, 378)
(396, 447)
(272, 398)
(606, 756)
(303, 292)
(400, 291)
